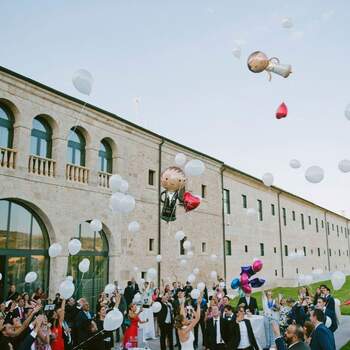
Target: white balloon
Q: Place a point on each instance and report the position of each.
(69, 278)
(137, 298)
(187, 245)
(213, 257)
(136, 268)
(124, 186)
(134, 227)
(82, 81)
(109, 289)
(347, 112)
(179, 236)
(201, 286)
(195, 293)
(156, 307)
(191, 278)
(84, 265)
(96, 225)
(251, 212)
(55, 250)
(31, 277)
(190, 254)
(115, 201)
(66, 289)
(287, 23)
(194, 167)
(338, 279)
(213, 275)
(328, 322)
(151, 274)
(196, 270)
(267, 179)
(308, 279)
(158, 258)
(74, 246)
(115, 182)
(236, 51)
(295, 164)
(180, 159)
(113, 320)
(314, 174)
(127, 204)
(344, 165)
(183, 261)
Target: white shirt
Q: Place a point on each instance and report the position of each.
(247, 300)
(244, 343)
(218, 331)
(168, 314)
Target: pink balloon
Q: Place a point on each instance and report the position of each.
(244, 279)
(257, 265)
(247, 288)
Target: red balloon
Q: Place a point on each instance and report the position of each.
(244, 279)
(282, 111)
(190, 201)
(257, 265)
(247, 288)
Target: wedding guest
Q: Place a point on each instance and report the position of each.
(317, 295)
(165, 319)
(325, 293)
(2, 311)
(12, 293)
(42, 342)
(293, 338)
(108, 341)
(284, 311)
(83, 321)
(19, 311)
(321, 338)
(203, 307)
(308, 329)
(270, 314)
(321, 304)
(228, 313)
(249, 303)
(130, 335)
(57, 343)
(224, 301)
(214, 331)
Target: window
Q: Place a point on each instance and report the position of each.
(297, 270)
(143, 274)
(260, 209)
(262, 252)
(318, 251)
(316, 222)
(302, 221)
(284, 214)
(322, 224)
(244, 201)
(76, 148)
(309, 220)
(182, 249)
(332, 227)
(227, 205)
(151, 175)
(312, 252)
(6, 128)
(246, 249)
(293, 215)
(151, 244)
(304, 249)
(40, 140)
(330, 252)
(273, 209)
(105, 157)
(285, 250)
(228, 251)
(275, 272)
(204, 191)
(275, 250)
(339, 252)
(338, 230)
(204, 247)
(341, 229)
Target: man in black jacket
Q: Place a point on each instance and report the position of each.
(165, 319)
(249, 303)
(216, 332)
(129, 293)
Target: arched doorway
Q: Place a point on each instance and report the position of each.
(23, 247)
(94, 246)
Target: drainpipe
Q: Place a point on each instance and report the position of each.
(280, 231)
(327, 244)
(159, 205)
(223, 218)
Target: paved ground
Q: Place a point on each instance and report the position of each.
(342, 335)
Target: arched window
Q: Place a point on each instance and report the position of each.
(76, 148)
(6, 128)
(23, 248)
(105, 157)
(94, 246)
(41, 138)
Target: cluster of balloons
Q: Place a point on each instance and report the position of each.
(120, 201)
(244, 282)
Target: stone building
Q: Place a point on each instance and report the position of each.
(55, 163)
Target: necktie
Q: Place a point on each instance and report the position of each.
(216, 329)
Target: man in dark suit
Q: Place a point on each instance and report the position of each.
(129, 293)
(325, 293)
(321, 337)
(215, 331)
(249, 303)
(165, 319)
(19, 311)
(241, 335)
(82, 322)
(321, 304)
(293, 338)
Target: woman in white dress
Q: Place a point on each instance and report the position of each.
(184, 326)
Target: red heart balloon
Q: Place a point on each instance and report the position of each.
(282, 111)
(190, 202)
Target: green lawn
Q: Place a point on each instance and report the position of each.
(342, 295)
(346, 347)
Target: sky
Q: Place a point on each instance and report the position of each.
(175, 58)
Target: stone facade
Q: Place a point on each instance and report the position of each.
(63, 204)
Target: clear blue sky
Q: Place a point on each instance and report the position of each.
(175, 56)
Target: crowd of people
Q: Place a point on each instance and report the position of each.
(34, 322)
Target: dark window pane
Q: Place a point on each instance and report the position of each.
(4, 137)
(38, 242)
(87, 238)
(20, 224)
(4, 207)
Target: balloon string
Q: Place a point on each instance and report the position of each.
(87, 340)
(76, 124)
(80, 283)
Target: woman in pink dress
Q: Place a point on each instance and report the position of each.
(57, 342)
(130, 335)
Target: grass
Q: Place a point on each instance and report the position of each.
(346, 346)
(292, 292)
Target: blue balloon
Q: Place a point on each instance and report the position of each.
(235, 283)
(257, 282)
(204, 302)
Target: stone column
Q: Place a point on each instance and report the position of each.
(21, 142)
(59, 154)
